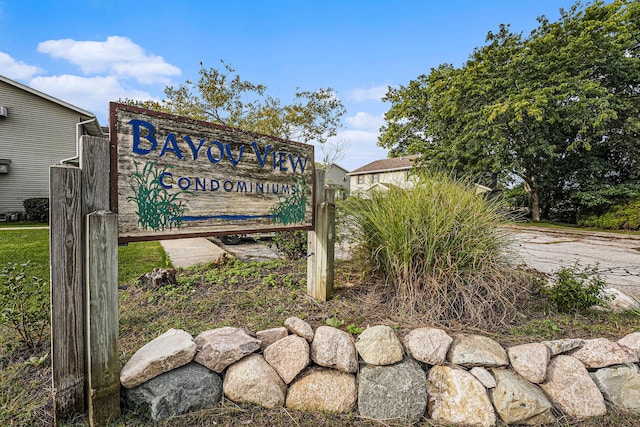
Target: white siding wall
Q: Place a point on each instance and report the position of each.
(36, 134)
(398, 178)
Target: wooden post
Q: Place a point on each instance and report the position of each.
(102, 317)
(101, 267)
(95, 163)
(325, 240)
(67, 295)
(321, 242)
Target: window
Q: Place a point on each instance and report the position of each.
(360, 179)
(375, 178)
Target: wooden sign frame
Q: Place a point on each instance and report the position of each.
(175, 177)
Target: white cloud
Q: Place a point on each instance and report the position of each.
(89, 93)
(14, 69)
(117, 55)
(361, 149)
(371, 94)
(365, 121)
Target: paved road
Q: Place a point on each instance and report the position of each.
(618, 257)
(545, 250)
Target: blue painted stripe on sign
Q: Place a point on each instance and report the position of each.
(225, 217)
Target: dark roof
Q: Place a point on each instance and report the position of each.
(387, 165)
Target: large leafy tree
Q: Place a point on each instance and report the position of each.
(557, 110)
(222, 96)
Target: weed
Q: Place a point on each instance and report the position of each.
(577, 288)
(354, 330)
(25, 303)
(334, 321)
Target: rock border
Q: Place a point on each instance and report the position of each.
(381, 376)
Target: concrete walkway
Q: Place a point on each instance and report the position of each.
(187, 252)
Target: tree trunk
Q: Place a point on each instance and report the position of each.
(534, 197)
(531, 187)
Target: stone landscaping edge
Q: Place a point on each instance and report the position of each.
(456, 379)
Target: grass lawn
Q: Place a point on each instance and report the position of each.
(257, 295)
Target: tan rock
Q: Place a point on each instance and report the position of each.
(557, 347)
(428, 345)
(379, 345)
(483, 376)
(169, 351)
(631, 341)
(476, 350)
(288, 356)
(571, 389)
(269, 336)
(517, 401)
(219, 348)
(299, 327)
(334, 348)
(253, 380)
(323, 389)
(457, 398)
(530, 361)
(601, 352)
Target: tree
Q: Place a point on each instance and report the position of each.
(556, 110)
(221, 96)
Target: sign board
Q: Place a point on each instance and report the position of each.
(176, 177)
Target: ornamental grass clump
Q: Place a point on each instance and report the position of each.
(441, 251)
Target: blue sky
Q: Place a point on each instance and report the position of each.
(91, 52)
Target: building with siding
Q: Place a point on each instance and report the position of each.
(336, 177)
(36, 131)
(395, 171)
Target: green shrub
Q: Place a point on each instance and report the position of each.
(626, 217)
(440, 249)
(290, 244)
(25, 303)
(37, 209)
(577, 288)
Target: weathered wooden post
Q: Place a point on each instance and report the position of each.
(321, 242)
(103, 366)
(101, 278)
(67, 292)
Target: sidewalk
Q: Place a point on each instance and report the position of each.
(187, 252)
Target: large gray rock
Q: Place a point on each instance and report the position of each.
(601, 352)
(457, 398)
(189, 388)
(428, 345)
(299, 327)
(379, 345)
(530, 361)
(219, 348)
(631, 341)
(269, 336)
(517, 401)
(476, 350)
(620, 385)
(565, 345)
(288, 356)
(394, 391)
(571, 389)
(253, 380)
(334, 348)
(323, 389)
(169, 351)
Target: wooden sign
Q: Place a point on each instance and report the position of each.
(176, 177)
